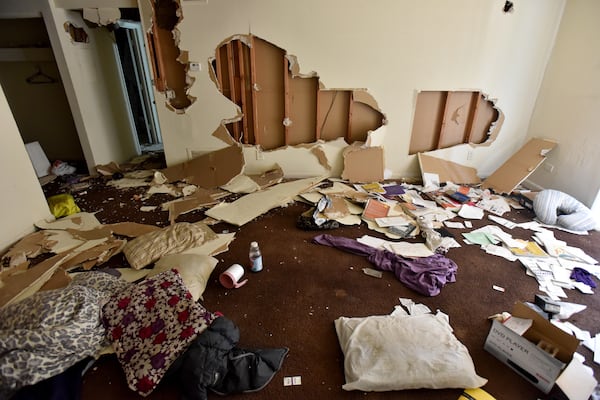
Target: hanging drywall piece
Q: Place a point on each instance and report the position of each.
(209, 170)
(519, 166)
(170, 63)
(447, 171)
(363, 164)
(102, 16)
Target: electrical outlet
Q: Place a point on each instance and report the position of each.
(549, 167)
(194, 66)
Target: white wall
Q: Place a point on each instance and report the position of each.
(89, 73)
(23, 201)
(89, 77)
(569, 104)
(394, 48)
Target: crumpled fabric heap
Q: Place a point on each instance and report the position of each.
(581, 275)
(425, 275)
(214, 362)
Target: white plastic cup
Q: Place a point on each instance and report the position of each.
(230, 278)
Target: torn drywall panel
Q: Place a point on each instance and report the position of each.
(210, 170)
(214, 246)
(59, 279)
(349, 192)
(199, 199)
(319, 152)
(252, 205)
(80, 221)
(21, 285)
(363, 164)
(96, 255)
(102, 16)
(519, 166)
(300, 161)
(102, 232)
(60, 241)
(30, 246)
(222, 134)
(268, 178)
(131, 229)
(241, 184)
(447, 171)
(253, 183)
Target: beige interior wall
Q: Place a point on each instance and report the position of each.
(23, 201)
(88, 75)
(91, 83)
(568, 105)
(393, 48)
(41, 110)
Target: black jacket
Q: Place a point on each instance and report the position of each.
(213, 361)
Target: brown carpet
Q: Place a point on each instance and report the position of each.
(304, 287)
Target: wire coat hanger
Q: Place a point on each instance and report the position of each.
(39, 77)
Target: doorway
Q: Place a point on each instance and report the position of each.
(136, 81)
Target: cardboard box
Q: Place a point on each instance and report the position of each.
(539, 355)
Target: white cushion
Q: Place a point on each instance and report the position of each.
(396, 352)
(195, 270)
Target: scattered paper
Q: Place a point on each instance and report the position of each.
(576, 381)
(503, 221)
(454, 225)
(498, 288)
(470, 212)
(372, 272)
(518, 325)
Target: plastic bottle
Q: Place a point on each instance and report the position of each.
(256, 261)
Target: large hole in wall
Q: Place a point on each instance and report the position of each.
(169, 63)
(444, 119)
(279, 107)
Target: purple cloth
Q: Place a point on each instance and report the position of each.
(425, 275)
(581, 275)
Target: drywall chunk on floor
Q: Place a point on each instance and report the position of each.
(447, 171)
(363, 164)
(253, 205)
(519, 166)
(209, 170)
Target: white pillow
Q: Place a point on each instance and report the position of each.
(195, 270)
(396, 352)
